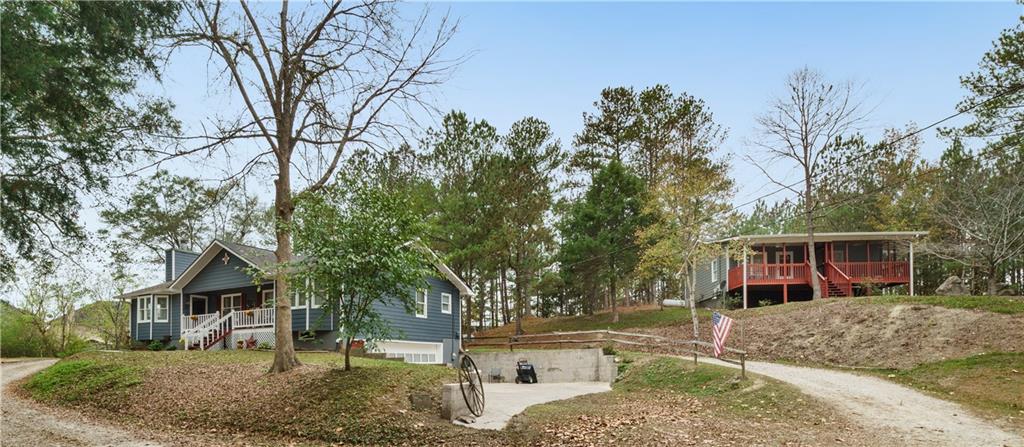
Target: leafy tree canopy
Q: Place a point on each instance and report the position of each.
(67, 113)
(359, 247)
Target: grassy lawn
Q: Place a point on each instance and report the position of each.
(992, 383)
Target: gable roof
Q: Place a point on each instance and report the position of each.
(260, 258)
(264, 259)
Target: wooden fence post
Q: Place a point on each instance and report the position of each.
(743, 365)
(695, 354)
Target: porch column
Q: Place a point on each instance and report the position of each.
(785, 293)
(744, 276)
(911, 268)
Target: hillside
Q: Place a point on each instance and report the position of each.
(879, 332)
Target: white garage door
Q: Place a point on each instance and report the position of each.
(412, 351)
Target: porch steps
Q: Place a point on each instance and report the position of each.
(214, 337)
(834, 290)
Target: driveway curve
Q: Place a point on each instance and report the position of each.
(911, 416)
(28, 424)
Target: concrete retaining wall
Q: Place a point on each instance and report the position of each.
(552, 365)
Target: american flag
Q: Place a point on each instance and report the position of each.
(720, 325)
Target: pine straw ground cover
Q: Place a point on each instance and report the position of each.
(227, 399)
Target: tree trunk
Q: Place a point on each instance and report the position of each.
(992, 279)
(504, 297)
(692, 299)
(348, 353)
(284, 349)
(812, 257)
(614, 297)
(519, 302)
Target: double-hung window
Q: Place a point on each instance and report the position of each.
(421, 303)
(143, 309)
(446, 303)
(163, 308)
(230, 302)
(714, 270)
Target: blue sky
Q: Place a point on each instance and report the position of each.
(551, 60)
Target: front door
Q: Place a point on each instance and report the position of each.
(196, 304)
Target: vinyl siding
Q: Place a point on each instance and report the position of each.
(171, 328)
(218, 276)
(706, 288)
(315, 322)
(436, 327)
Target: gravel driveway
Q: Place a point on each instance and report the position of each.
(27, 424)
(913, 417)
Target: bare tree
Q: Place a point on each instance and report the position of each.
(979, 207)
(314, 84)
(801, 128)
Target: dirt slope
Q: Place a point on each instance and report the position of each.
(855, 334)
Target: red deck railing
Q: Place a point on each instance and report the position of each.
(877, 271)
(843, 274)
(760, 274)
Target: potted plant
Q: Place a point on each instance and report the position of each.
(248, 313)
(193, 317)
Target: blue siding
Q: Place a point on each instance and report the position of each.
(182, 259)
(171, 328)
(218, 276)
(319, 320)
(436, 327)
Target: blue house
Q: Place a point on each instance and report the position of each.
(210, 301)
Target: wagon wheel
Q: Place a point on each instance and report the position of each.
(471, 385)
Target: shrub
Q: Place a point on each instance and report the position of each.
(73, 346)
(171, 347)
(763, 303)
(732, 302)
(17, 336)
(608, 349)
(155, 345)
(264, 346)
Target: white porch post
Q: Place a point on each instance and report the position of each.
(744, 276)
(911, 268)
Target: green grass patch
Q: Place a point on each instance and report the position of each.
(997, 304)
(679, 375)
(992, 382)
(71, 381)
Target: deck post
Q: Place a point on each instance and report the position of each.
(785, 293)
(744, 276)
(911, 268)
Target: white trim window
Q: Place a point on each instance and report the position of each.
(163, 308)
(230, 302)
(446, 303)
(300, 300)
(268, 298)
(714, 270)
(421, 303)
(143, 309)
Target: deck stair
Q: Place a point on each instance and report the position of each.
(834, 289)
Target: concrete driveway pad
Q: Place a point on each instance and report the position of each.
(505, 400)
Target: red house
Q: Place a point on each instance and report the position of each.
(777, 267)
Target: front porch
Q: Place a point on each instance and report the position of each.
(844, 268)
(214, 319)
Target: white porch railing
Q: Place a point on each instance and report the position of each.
(210, 328)
(254, 318)
(188, 324)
